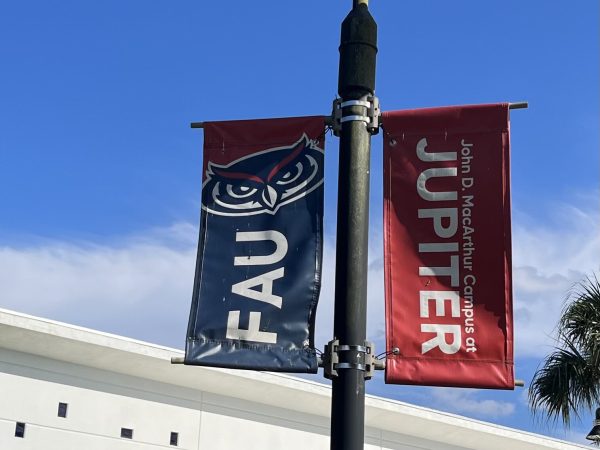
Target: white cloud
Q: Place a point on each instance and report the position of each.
(548, 259)
(140, 287)
(465, 401)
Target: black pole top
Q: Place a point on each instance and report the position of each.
(358, 49)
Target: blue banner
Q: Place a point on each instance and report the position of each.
(258, 269)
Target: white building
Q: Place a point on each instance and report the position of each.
(116, 393)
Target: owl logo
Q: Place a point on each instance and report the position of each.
(265, 181)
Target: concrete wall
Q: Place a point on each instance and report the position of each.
(100, 403)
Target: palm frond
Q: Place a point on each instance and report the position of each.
(564, 384)
(580, 320)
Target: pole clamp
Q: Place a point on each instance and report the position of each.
(369, 113)
(358, 357)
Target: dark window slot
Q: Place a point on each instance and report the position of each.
(20, 430)
(62, 410)
(127, 433)
(174, 438)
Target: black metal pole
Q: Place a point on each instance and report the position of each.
(358, 48)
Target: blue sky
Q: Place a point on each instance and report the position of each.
(100, 174)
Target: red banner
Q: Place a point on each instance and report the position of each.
(447, 241)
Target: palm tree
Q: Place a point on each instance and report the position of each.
(569, 379)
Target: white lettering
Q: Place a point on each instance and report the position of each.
(467, 182)
(253, 332)
(265, 294)
(449, 271)
(470, 280)
(281, 247)
(426, 194)
(438, 247)
(437, 214)
(433, 156)
(440, 339)
(440, 298)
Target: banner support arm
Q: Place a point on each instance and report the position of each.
(328, 122)
(518, 105)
